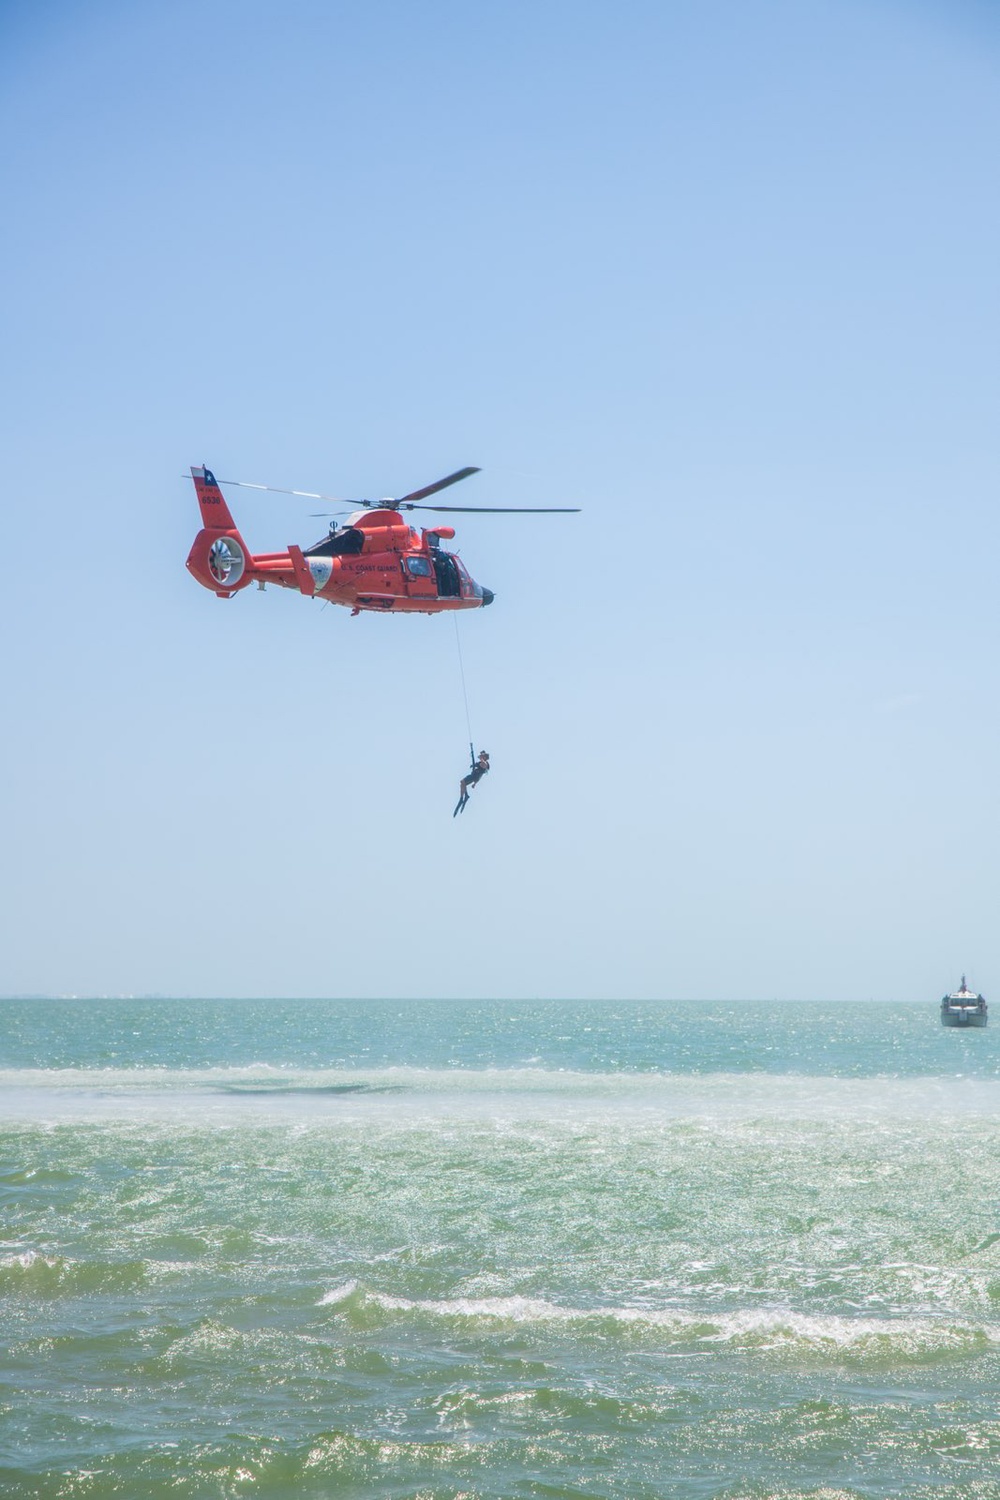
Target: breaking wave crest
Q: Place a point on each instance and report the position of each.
(878, 1340)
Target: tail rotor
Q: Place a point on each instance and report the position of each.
(226, 561)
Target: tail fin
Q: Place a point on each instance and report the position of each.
(215, 513)
(219, 558)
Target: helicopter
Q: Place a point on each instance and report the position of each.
(376, 561)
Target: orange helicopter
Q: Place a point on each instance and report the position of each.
(376, 561)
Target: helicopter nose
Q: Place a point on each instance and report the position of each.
(488, 597)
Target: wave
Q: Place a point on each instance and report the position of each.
(911, 1339)
(736, 1095)
(31, 1274)
(268, 1088)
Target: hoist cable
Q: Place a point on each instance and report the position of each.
(465, 695)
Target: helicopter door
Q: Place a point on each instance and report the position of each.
(449, 584)
(420, 580)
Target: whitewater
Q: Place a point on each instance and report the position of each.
(500, 1249)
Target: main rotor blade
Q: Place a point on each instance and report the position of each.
(303, 494)
(500, 510)
(432, 489)
(408, 502)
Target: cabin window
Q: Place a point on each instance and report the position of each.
(418, 567)
(338, 544)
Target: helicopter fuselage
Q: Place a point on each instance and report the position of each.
(376, 562)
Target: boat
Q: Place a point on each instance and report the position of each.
(963, 1008)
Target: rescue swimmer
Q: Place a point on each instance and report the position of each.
(480, 766)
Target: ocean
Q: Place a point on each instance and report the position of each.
(485, 1250)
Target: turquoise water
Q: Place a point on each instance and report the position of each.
(477, 1250)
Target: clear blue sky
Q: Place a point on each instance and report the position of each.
(722, 272)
